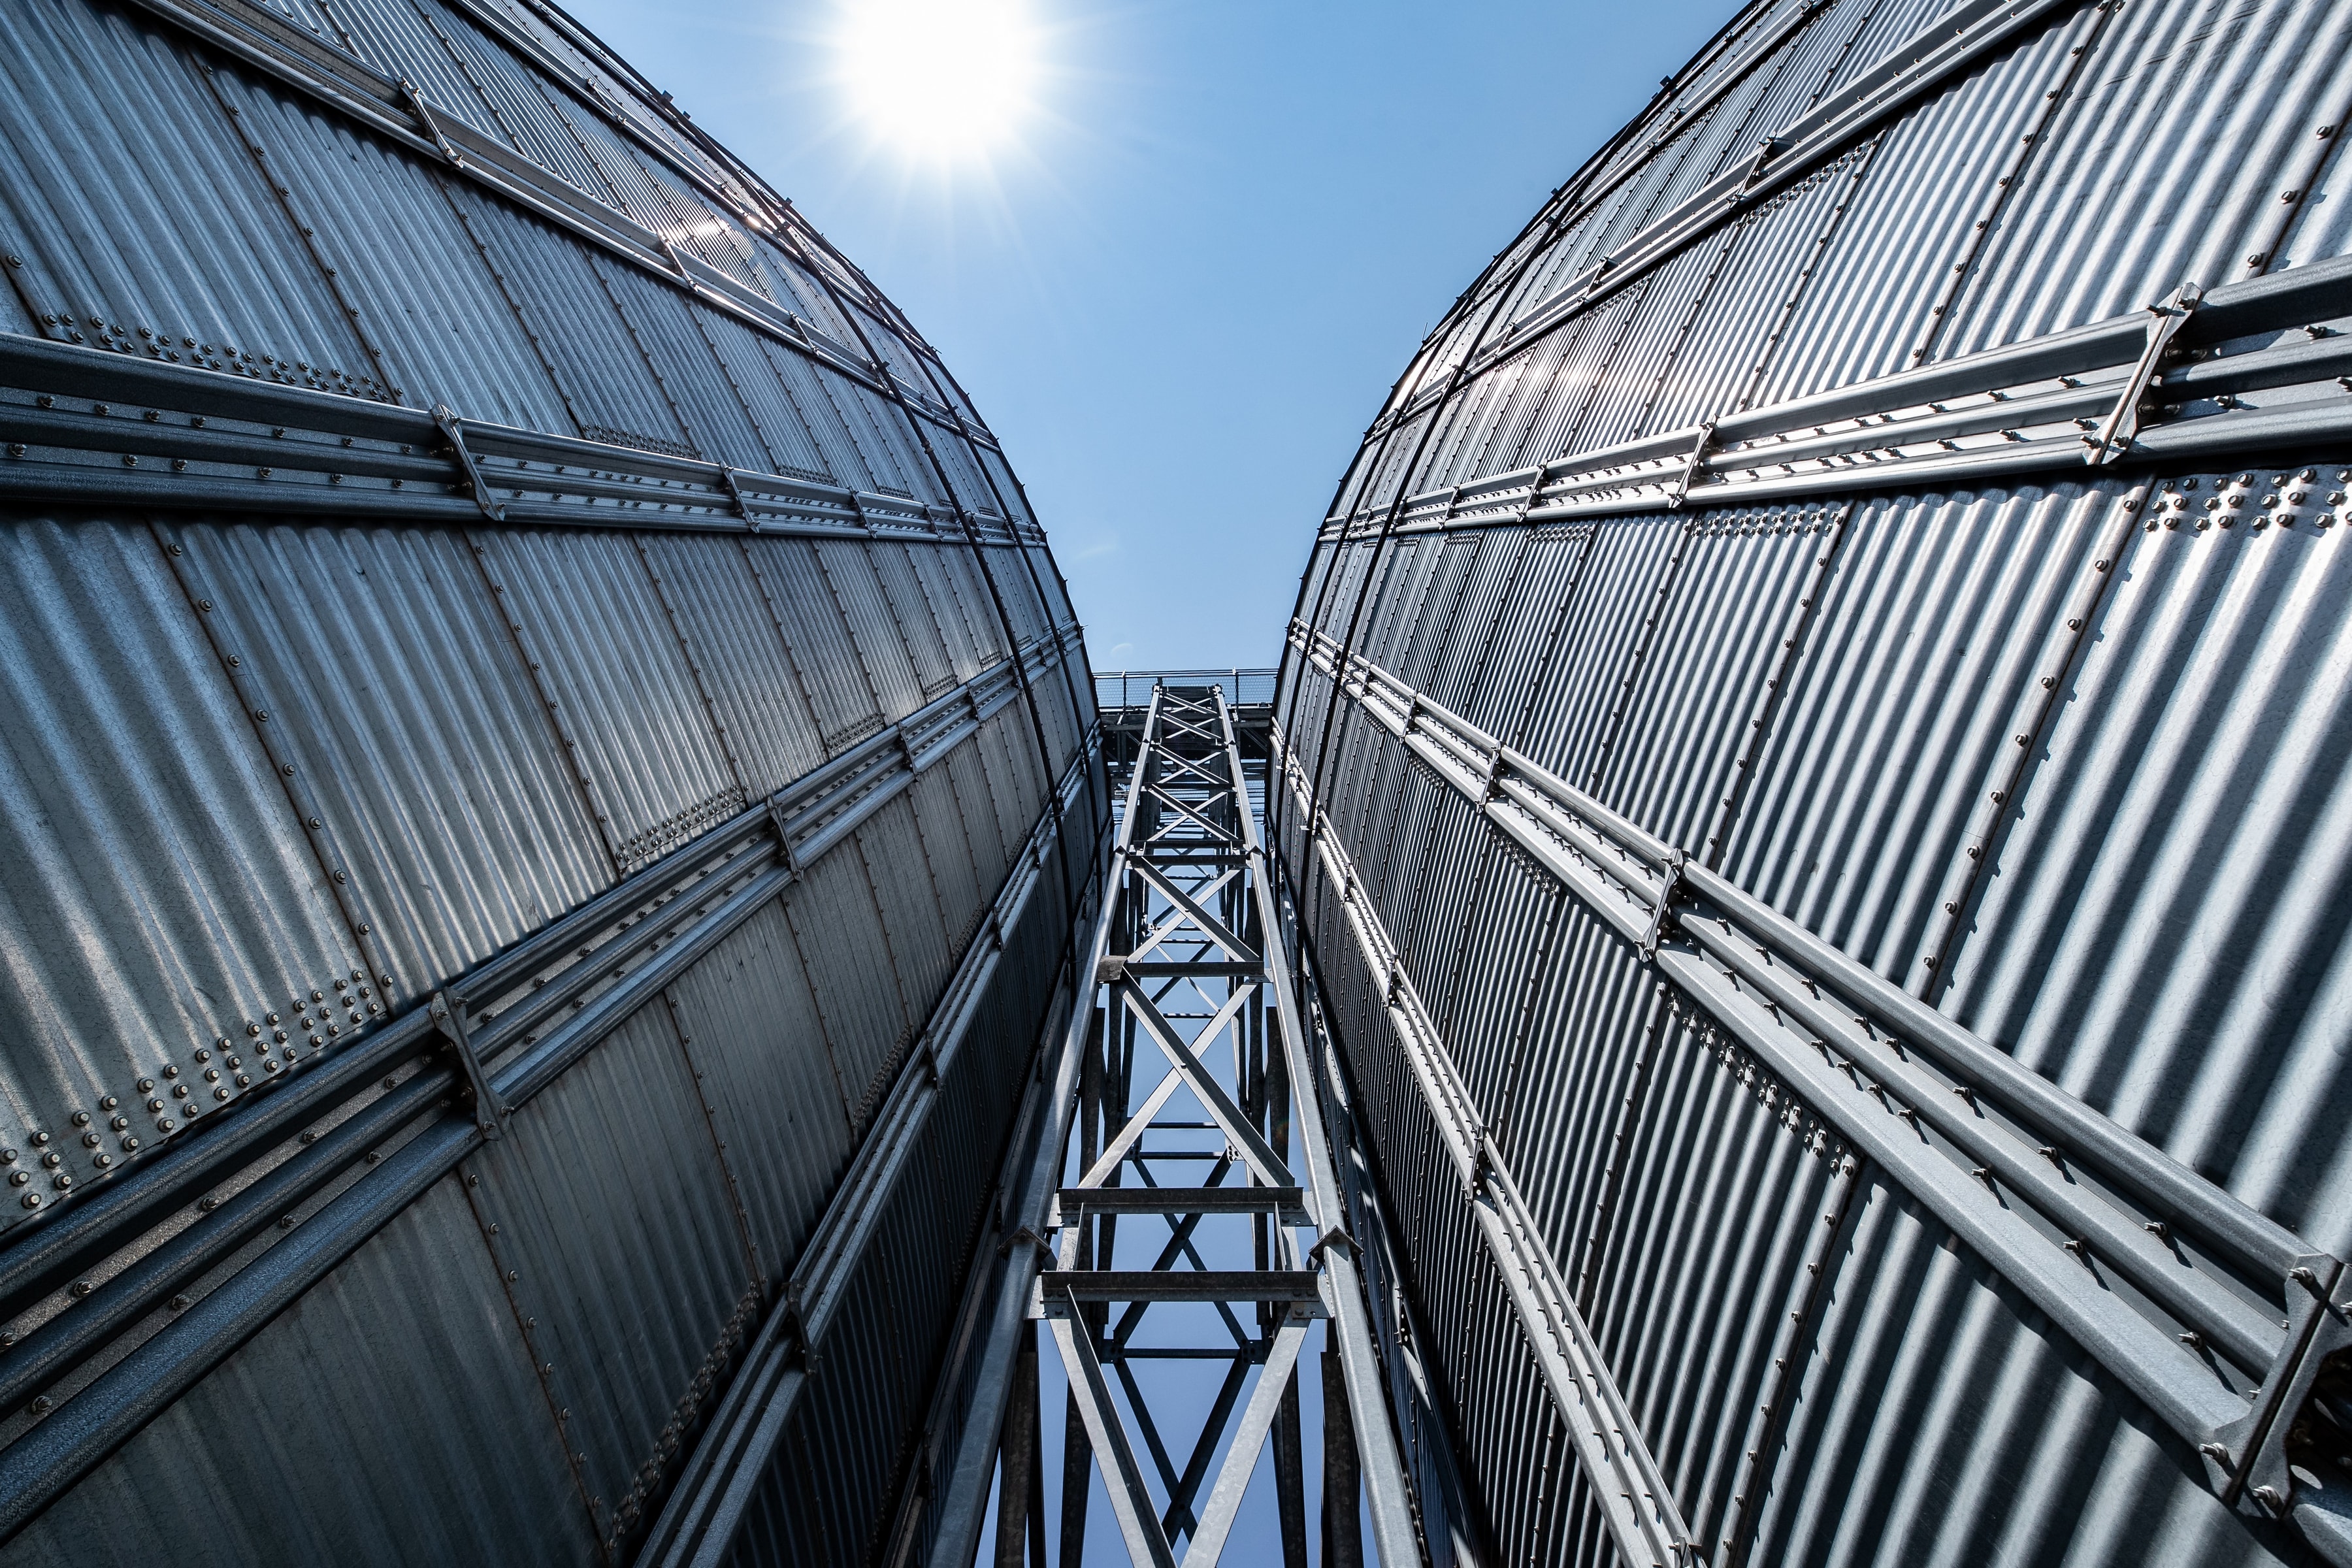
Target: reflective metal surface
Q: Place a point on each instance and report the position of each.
(1808, 735)
(553, 777)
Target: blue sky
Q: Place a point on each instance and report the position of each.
(1184, 292)
(1182, 289)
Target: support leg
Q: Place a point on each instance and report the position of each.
(1343, 1538)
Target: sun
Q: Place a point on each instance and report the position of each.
(943, 82)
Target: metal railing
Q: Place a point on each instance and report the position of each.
(1132, 687)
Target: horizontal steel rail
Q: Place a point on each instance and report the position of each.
(1244, 687)
(2026, 408)
(83, 425)
(1910, 70)
(397, 109)
(732, 1457)
(2173, 1284)
(1627, 1487)
(331, 1151)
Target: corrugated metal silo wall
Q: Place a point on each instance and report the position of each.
(497, 613)
(2023, 734)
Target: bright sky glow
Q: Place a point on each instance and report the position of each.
(944, 81)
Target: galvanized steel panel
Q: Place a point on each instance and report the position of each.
(750, 1030)
(415, 729)
(900, 862)
(920, 623)
(2119, 213)
(883, 643)
(554, 290)
(2160, 928)
(625, 1261)
(586, 614)
(741, 662)
(795, 591)
(169, 898)
(349, 189)
(457, 1455)
(665, 331)
(853, 968)
(1881, 292)
(1698, 702)
(141, 233)
(750, 363)
(1932, 628)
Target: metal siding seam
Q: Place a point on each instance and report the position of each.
(668, 600)
(757, 695)
(555, 292)
(2061, 655)
(621, 1288)
(1794, 649)
(777, 419)
(1778, 244)
(1675, 750)
(833, 918)
(2080, 249)
(1918, 654)
(491, 1478)
(1605, 633)
(183, 843)
(2202, 670)
(329, 276)
(669, 328)
(913, 915)
(2056, 101)
(874, 626)
(800, 595)
(912, 612)
(348, 181)
(107, 258)
(748, 1024)
(416, 796)
(1792, 1348)
(628, 714)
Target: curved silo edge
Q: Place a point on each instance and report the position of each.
(728, 1465)
(2021, 409)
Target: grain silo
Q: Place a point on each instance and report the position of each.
(1815, 748)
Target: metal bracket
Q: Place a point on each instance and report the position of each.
(1004, 1248)
(2249, 1469)
(1337, 1237)
(453, 432)
(2115, 436)
(449, 1015)
(1662, 924)
(1691, 465)
(742, 508)
(425, 117)
(781, 823)
(1766, 149)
